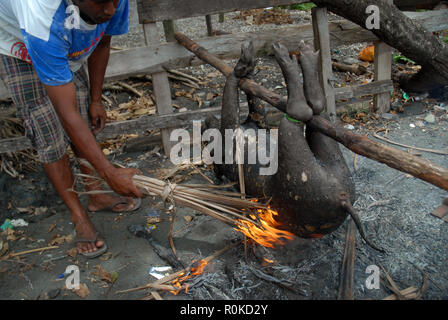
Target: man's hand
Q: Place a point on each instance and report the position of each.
(120, 180)
(98, 116)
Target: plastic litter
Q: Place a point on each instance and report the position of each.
(349, 127)
(160, 272)
(19, 223)
(7, 225)
(62, 276)
(150, 227)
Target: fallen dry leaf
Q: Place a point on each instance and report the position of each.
(210, 96)
(72, 252)
(58, 240)
(106, 256)
(213, 74)
(102, 274)
(83, 291)
(153, 220)
(40, 210)
(4, 247)
(52, 227)
(10, 235)
(25, 210)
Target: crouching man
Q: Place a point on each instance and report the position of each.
(43, 46)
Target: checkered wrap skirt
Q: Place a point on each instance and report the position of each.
(42, 125)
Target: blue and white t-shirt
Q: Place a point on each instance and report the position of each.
(45, 34)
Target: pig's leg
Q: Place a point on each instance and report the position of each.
(309, 61)
(230, 113)
(296, 108)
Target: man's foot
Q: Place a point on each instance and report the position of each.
(104, 202)
(86, 230)
(297, 106)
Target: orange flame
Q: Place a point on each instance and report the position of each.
(269, 235)
(197, 270)
(268, 260)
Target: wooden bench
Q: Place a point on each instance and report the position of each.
(156, 57)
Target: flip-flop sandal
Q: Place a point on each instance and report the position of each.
(109, 209)
(94, 254)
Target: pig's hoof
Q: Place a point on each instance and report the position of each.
(306, 49)
(309, 61)
(284, 60)
(246, 65)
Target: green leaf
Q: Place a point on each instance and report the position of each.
(307, 6)
(114, 276)
(402, 59)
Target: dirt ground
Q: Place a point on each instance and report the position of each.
(394, 209)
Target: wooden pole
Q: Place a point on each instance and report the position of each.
(322, 43)
(383, 71)
(169, 28)
(208, 20)
(161, 86)
(397, 159)
(348, 264)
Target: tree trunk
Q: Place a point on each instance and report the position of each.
(400, 32)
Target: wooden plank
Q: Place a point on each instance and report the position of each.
(322, 43)
(159, 10)
(140, 125)
(161, 86)
(349, 92)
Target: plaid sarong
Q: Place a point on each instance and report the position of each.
(41, 123)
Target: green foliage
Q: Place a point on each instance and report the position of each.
(307, 6)
(445, 38)
(401, 59)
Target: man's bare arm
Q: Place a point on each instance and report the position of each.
(97, 64)
(65, 103)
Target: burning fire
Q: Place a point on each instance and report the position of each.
(197, 270)
(269, 235)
